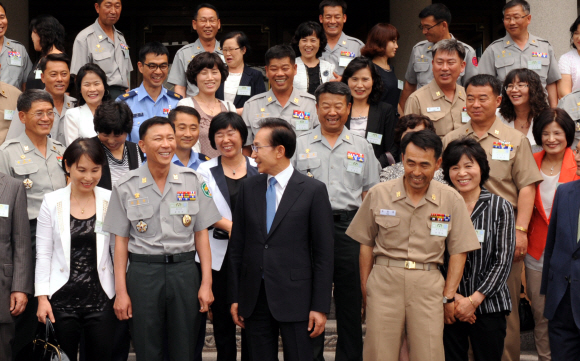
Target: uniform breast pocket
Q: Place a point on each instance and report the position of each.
(26, 170)
(422, 71)
(503, 66)
(144, 213)
(440, 127)
(101, 58)
(309, 165)
(352, 174)
(437, 236)
(183, 223)
(501, 170)
(543, 73)
(388, 226)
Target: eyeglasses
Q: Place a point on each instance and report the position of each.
(515, 19)
(154, 67)
(39, 115)
(211, 21)
(229, 50)
(256, 149)
(426, 27)
(511, 87)
(575, 152)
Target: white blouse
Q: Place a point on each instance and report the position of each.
(570, 64)
(231, 86)
(78, 123)
(535, 148)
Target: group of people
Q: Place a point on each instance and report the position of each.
(141, 214)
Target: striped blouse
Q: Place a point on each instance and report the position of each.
(487, 269)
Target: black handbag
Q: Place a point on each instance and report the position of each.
(526, 316)
(45, 347)
(220, 234)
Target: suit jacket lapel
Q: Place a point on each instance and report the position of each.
(244, 81)
(260, 202)
(100, 206)
(574, 212)
(63, 218)
(251, 170)
(373, 120)
(291, 194)
(220, 181)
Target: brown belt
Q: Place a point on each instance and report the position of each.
(389, 262)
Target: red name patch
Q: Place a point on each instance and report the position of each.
(474, 61)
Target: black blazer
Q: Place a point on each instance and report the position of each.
(251, 77)
(296, 259)
(382, 120)
(134, 155)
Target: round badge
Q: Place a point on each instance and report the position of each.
(28, 183)
(326, 72)
(186, 220)
(141, 226)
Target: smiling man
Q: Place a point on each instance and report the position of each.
(443, 100)
(16, 64)
(186, 122)
(346, 164)
(151, 99)
(283, 101)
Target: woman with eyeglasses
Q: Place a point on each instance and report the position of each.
(242, 82)
(523, 98)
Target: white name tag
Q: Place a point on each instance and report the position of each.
(354, 166)
(244, 90)
(15, 60)
(178, 208)
(535, 64)
(500, 154)
(126, 53)
(464, 117)
(8, 114)
(99, 228)
(301, 124)
(480, 235)
(433, 109)
(37, 74)
(388, 212)
(344, 61)
(400, 84)
(4, 210)
(374, 138)
(439, 229)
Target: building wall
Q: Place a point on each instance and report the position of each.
(17, 14)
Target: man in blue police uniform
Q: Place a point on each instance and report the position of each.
(151, 99)
(186, 122)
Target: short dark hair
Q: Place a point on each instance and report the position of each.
(280, 52)
(90, 147)
(185, 110)
(362, 62)
(54, 57)
(202, 61)
(2, 5)
(485, 80)
(206, 5)
(472, 149)
(438, 11)
(377, 40)
(573, 29)
(410, 121)
(424, 139)
(113, 117)
(282, 134)
(50, 32)
(151, 122)
(241, 39)
(331, 3)
(91, 68)
(224, 120)
(523, 3)
(450, 46)
(333, 88)
(153, 47)
(306, 29)
(561, 117)
(30, 96)
(537, 96)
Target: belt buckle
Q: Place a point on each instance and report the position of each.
(168, 258)
(409, 265)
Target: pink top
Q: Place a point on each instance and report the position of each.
(204, 123)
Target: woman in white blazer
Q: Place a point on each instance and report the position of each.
(91, 83)
(309, 41)
(207, 71)
(223, 175)
(74, 279)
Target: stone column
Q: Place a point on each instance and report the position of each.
(17, 14)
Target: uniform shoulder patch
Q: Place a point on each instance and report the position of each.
(421, 43)
(203, 157)
(205, 190)
(127, 176)
(8, 142)
(128, 95)
(174, 95)
(307, 95)
(305, 134)
(355, 40)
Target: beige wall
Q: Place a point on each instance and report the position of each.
(17, 13)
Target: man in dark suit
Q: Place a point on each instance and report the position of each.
(17, 273)
(561, 272)
(281, 251)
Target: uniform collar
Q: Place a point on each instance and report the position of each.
(437, 93)
(69, 103)
(197, 46)
(342, 41)
(496, 130)
(2, 91)
(294, 97)
(431, 44)
(101, 35)
(28, 146)
(142, 93)
(173, 176)
(433, 194)
(8, 44)
(508, 41)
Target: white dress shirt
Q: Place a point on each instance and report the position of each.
(282, 180)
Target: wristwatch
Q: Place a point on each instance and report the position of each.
(448, 300)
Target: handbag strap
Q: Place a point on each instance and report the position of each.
(50, 331)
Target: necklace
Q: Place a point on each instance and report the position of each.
(236, 168)
(82, 208)
(207, 106)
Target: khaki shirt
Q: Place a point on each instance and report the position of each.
(8, 97)
(506, 178)
(420, 68)
(344, 180)
(300, 105)
(182, 59)
(56, 132)
(389, 222)
(92, 45)
(21, 160)
(15, 63)
(571, 104)
(344, 51)
(504, 55)
(432, 102)
(136, 201)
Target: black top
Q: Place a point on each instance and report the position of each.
(233, 188)
(313, 78)
(31, 81)
(83, 291)
(390, 85)
(250, 77)
(134, 154)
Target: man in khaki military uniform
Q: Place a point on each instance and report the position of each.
(513, 176)
(442, 100)
(8, 96)
(283, 100)
(404, 227)
(102, 44)
(206, 23)
(571, 104)
(520, 49)
(346, 164)
(14, 59)
(435, 20)
(35, 160)
(159, 214)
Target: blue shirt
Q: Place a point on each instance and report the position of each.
(193, 162)
(143, 106)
